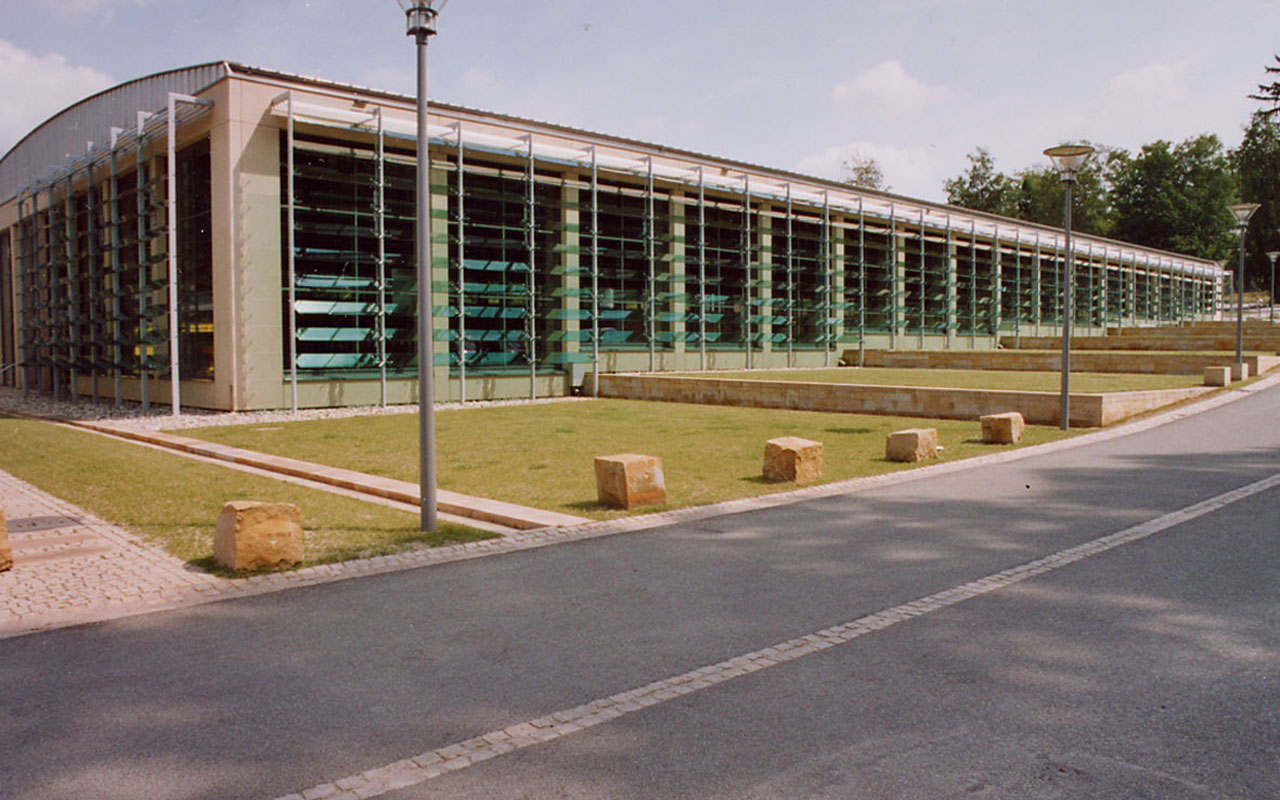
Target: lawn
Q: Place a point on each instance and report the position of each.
(174, 501)
(541, 455)
(1013, 380)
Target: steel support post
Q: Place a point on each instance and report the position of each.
(171, 216)
(144, 260)
(702, 268)
(530, 234)
(828, 288)
(651, 281)
(595, 277)
(95, 276)
(790, 287)
(117, 353)
(862, 284)
(291, 250)
(380, 233)
(746, 264)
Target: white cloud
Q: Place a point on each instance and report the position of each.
(37, 87)
(1158, 80)
(888, 90)
(911, 171)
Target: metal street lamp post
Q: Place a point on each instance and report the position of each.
(1068, 159)
(1242, 212)
(1271, 297)
(420, 16)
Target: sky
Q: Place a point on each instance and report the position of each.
(915, 84)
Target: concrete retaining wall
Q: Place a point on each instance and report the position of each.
(1037, 408)
(1047, 361)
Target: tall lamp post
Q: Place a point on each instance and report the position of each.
(420, 16)
(1242, 212)
(1068, 159)
(1271, 297)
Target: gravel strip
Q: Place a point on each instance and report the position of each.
(159, 418)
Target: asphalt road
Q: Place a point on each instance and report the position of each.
(1151, 670)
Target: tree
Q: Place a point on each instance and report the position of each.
(1258, 163)
(1175, 198)
(1269, 93)
(864, 172)
(1040, 195)
(982, 187)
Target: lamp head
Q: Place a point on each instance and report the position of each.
(1273, 255)
(1069, 158)
(420, 15)
(1243, 211)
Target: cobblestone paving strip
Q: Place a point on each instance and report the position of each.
(434, 763)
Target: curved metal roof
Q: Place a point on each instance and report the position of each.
(67, 133)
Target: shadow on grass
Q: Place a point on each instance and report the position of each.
(848, 431)
(589, 505)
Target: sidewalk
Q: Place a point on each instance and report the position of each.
(70, 566)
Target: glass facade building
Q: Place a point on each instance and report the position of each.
(252, 233)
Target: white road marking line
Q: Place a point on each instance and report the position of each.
(433, 763)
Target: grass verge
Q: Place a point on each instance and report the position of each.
(1011, 380)
(174, 501)
(541, 455)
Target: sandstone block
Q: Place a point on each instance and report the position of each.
(6, 553)
(1240, 372)
(628, 480)
(258, 535)
(1217, 376)
(791, 458)
(1003, 428)
(912, 444)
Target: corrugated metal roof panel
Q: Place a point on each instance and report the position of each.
(91, 120)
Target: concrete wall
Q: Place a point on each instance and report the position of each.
(1037, 408)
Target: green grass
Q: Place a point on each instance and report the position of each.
(174, 501)
(1081, 382)
(541, 455)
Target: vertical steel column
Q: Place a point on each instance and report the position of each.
(73, 294)
(973, 281)
(948, 300)
(1037, 284)
(702, 270)
(290, 245)
(24, 307)
(461, 267)
(171, 216)
(1106, 286)
(894, 295)
(530, 235)
(595, 277)
(862, 284)
(144, 260)
(95, 276)
(994, 311)
(651, 285)
(1089, 312)
(380, 233)
(827, 284)
(1017, 289)
(790, 287)
(746, 263)
(924, 278)
(117, 353)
